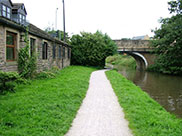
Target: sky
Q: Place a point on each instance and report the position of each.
(118, 18)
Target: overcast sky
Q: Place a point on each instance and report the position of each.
(118, 18)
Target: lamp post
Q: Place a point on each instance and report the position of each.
(56, 20)
(64, 21)
(63, 29)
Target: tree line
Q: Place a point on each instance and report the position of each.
(168, 42)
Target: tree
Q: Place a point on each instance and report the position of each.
(168, 42)
(59, 34)
(91, 49)
(175, 6)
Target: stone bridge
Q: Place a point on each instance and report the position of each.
(139, 50)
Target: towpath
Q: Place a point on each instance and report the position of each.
(100, 113)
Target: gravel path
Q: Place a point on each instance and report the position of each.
(100, 113)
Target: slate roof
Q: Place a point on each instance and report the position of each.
(140, 37)
(9, 2)
(32, 30)
(16, 6)
(42, 34)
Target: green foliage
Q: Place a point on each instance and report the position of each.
(45, 75)
(6, 81)
(45, 107)
(175, 6)
(55, 70)
(59, 34)
(27, 64)
(146, 117)
(48, 73)
(168, 42)
(122, 61)
(91, 49)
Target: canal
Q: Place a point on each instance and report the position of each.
(165, 89)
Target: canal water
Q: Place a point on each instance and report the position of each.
(165, 89)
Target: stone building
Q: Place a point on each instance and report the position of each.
(51, 51)
(144, 37)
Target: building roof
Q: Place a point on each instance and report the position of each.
(9, 2)
(32, 30)
(40, 33)
(144, 37)
(17, 6)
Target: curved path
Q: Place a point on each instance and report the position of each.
(100, 113)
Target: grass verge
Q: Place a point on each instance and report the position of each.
(146, 117)
(45, 107)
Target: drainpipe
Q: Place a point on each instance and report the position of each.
(62, 63)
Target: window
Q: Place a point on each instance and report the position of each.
(60, 52)
(54, 51)
(32, 46)
(10, 46)
(21, 18)
(6, 11)
(63, 52)
(44, 50)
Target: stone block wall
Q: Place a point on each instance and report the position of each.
(39, 39)
(2, 49)
(132, 43)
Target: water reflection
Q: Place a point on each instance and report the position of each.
(165, 89)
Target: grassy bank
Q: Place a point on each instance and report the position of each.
(45, 107)
(146, 117)
(121, 61)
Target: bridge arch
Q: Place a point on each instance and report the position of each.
(141, 58)
(141, 61)
(139, 50)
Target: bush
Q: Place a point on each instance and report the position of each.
(27, 64)
(55, 70)
(6, 80)
(122, 61)
(91, 49)
(48, 73)
(45, 75)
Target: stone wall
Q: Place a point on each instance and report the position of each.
(132, 43)
(2, 49)
(40, 37)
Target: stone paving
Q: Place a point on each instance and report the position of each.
(100, 113)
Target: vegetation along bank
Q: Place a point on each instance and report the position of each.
(45, 107)
(168, 42)
(146, 117)
(120, 61)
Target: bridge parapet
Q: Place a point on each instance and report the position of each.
(132, 43)
(121, 49)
